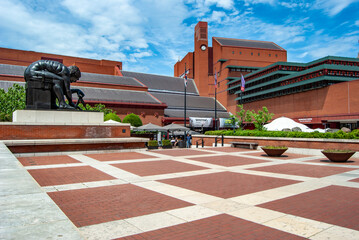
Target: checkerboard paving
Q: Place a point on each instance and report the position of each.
(46, 160)
(118, 156)
(157, 167)
(209, 193)
(228, 161)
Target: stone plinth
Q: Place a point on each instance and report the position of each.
(57, 116)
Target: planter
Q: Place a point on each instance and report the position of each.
(152, 147)
(167, 147)
(274, 152)
(338, 156)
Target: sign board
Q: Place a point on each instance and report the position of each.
(226, 123)
(200, 122)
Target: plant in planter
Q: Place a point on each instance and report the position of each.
(274, 151)
(338, 155)
(152, 144)
(166, 143)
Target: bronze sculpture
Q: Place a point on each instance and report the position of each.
(48, 81)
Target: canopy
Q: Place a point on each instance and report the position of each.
(283, 122)
(175, 127)
(151, 127)
(180, 133)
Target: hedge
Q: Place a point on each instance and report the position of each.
(337, 135)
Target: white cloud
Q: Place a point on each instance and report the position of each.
(357, 23)
(333, 7)
(249, 2)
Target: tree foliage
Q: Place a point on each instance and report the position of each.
(13, 99)
(260, 118)
(112, 116)
(99, 107)
(133, 119)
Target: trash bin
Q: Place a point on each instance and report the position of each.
(182, 144)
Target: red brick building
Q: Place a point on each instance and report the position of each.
(321, 93)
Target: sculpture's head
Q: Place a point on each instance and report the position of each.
(75, 73)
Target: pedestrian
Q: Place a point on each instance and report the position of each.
(188, 141)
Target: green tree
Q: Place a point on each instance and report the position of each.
(112, 116)
(243, 116)
(133, 119)
(260, 118)
(13, 99)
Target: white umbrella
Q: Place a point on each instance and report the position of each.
(150, 127)
(176, 127)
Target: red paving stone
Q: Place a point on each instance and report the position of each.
(303, 170)
(334, 205)
(218, 227)
(157, 167)
(228, 184)
(228, 160)
(351, 161)
(68, 175)
(46, 160)
(119, 156)
(182, 152)
(355, 180)
(229, 149)
(103, 204)
(285, 155)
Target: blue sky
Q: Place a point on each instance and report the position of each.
(151, 35)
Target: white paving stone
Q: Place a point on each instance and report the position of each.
(198, 198)
(298, 225)
(336, 232)
(225, 205)
(154, 221)
(257, 214)
(193, 213)
(109, 230)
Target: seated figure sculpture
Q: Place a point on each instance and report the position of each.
(48, 80)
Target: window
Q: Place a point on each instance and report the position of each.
(240, 53)
(251, 53)
(259, 54)
(276, 55)
(270, 54)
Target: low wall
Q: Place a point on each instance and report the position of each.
(18, 131)
(311, 143)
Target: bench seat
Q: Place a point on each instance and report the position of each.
(249, 145)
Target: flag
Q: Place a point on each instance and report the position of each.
(243, 83)
(215, 80)
(185, 78)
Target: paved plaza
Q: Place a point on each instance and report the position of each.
(204, 193)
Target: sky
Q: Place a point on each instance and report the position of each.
(150, 36)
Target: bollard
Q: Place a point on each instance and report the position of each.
(215, 141)
(197, 144)
(222, 140)
(202, 143)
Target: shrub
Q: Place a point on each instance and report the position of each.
(13, 99)
(339, 134)
(133, 119)
(166, 142)
(153, 143)
(112, 116)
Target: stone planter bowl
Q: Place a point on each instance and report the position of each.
(274, 152)
(338, 156)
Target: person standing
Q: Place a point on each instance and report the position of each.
(188, 141)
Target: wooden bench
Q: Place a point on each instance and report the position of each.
(249, 145)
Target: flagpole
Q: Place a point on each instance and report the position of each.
(215, 99)
(185, 93)
(215, 108)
